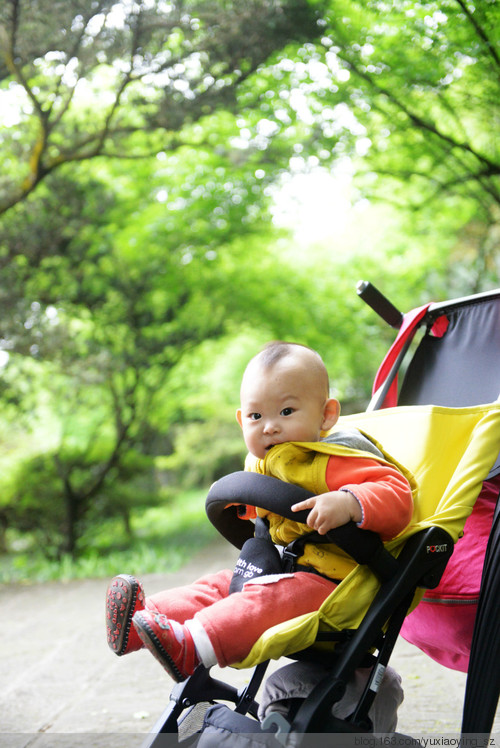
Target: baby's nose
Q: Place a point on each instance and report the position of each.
(271, 427)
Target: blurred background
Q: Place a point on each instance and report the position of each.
(182, 181)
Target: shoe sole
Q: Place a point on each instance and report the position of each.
(151, 642)
(120, 603)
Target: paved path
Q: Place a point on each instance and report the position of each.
(58, 677)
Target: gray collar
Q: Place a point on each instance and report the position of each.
(354, 439)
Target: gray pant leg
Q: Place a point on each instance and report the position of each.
(297, 680)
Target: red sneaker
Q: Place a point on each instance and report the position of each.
(179, 658)
(125, 596)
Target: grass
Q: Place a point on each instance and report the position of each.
(164, 538)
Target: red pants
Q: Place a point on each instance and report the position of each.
(235, 622)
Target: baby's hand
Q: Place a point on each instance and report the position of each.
(330, 510)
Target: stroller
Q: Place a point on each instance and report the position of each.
(444, 425)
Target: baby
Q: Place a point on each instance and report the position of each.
(285, 405)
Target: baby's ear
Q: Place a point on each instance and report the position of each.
(238, 417)
(331, 414)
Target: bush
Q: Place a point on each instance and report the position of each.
(49, 498)
(204, 452)
(164, 537)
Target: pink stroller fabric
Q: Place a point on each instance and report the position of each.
(443, 623)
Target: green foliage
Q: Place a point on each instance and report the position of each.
(120, 79)
(204, 452)
(163, 539)
(421, 80)
(39, 499)
(407, 93)
(141, 267)
(421, 83)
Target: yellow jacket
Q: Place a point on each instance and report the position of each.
(382, 487)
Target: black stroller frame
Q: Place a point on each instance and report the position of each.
(372, 643)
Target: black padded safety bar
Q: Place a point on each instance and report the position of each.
(265, 492)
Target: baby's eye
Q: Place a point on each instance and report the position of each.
(286, 412)
(254, 416)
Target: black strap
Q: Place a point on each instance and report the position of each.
(266, 492)
(294, 550)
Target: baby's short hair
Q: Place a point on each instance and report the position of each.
(277, 350)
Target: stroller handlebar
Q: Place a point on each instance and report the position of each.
(379, 303)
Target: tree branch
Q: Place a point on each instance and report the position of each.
(480, 32)
(416, 119)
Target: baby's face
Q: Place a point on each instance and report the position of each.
(281, 404)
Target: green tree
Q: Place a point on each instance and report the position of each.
(409, 93)
(138, 163)
(108, 322)
(422, 81)
(106, 78)
(119, 299)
